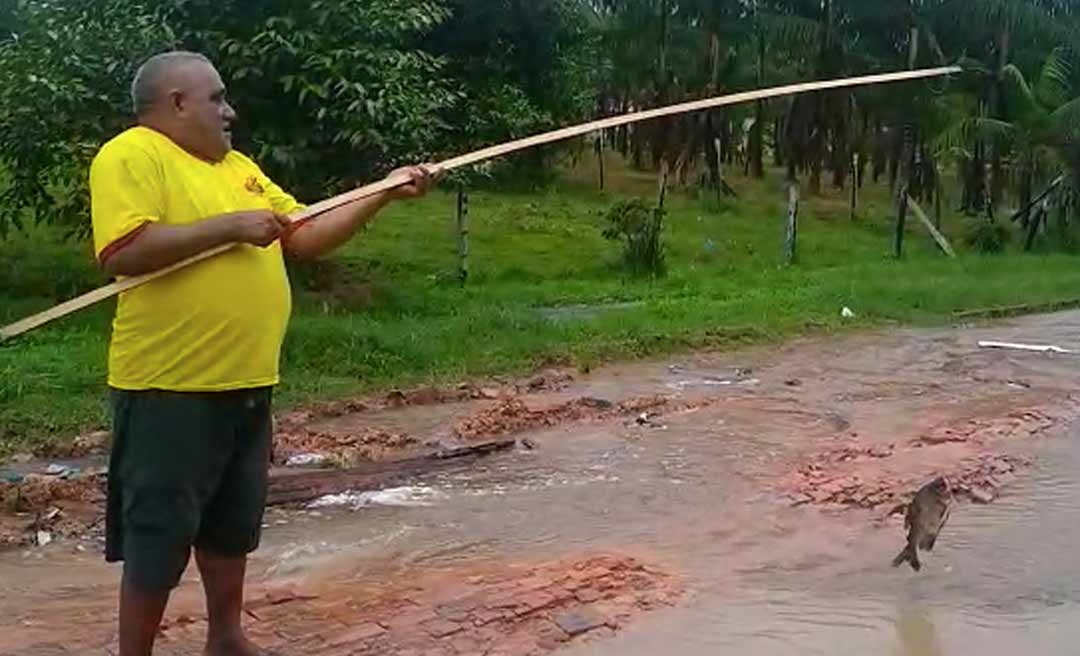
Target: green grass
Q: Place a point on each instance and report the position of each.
(396, 315)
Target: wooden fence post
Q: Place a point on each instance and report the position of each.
(662, 183)
(600, 156)
(854, 184)
(791, 234)
(939, 189)
(463, 235)
(942, 242)
(901, 222)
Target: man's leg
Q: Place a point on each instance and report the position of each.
(223, 581)
(169, 456)
(140, 617)
(232, 523)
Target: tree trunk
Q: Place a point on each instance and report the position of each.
(714, 55)
(662, 184)
(974, 196)
(997, 180)
(901, 221)
(600, 158)
(881, 150)
(896, 157)
(907, 158)
(861, 177)
(841, 158)
(712, 150)
(757, 134)
(1027, 185)
(815, 173)
(662, 127)
(1033, 228)
(663, 46)
(817, 142)
(1065, 211)
(854, 185)
(730, 149)
(623, 132)
(938, 192)
(778, 145)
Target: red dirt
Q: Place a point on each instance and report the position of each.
(968, 451)
(514, 415)
(547, 381)
(504, 609)
(68, 508)
(294, 435)
(364, 445)
(1025, 422)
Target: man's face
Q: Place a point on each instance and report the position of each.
(204, 115)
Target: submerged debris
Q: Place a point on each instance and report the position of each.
(514, 415)
(547, 381)
(402, 497)
(307, 460)
(40, 509)
(300, 446)
(977, 479)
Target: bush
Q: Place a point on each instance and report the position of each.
(640, 226)
(988, 238)
(39, 261)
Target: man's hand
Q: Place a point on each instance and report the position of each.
(338, 226)
(422, 177)
(258, 228)
(154, 245)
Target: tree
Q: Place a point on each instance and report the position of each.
(62, 92)
(524, 66)
(998, 33)
(336, 92)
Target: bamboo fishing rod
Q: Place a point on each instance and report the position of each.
(127, 284)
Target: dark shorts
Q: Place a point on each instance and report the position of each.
(187, 470)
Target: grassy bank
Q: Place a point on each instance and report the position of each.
(389, 310)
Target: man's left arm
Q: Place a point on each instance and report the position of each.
(333, 229)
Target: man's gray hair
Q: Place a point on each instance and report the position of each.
(146, 87)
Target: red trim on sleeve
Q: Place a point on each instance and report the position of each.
(120, 243)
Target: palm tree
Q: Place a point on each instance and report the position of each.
(1042, 131)
(997, 34)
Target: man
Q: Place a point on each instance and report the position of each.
(194, 355)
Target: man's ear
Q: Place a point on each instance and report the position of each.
(176, 101)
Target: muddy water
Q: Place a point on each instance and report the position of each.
(763, 578)
(1004, 579)
(697, 493)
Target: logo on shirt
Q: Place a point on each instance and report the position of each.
(253, 186)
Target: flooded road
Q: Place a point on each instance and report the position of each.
(764, 499)
(1004, 579)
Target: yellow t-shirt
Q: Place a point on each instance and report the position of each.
(212, 326)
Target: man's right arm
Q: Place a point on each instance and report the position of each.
(154, 245)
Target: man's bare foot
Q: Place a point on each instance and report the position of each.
(239, 646)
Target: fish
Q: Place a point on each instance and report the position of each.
(925, 517)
